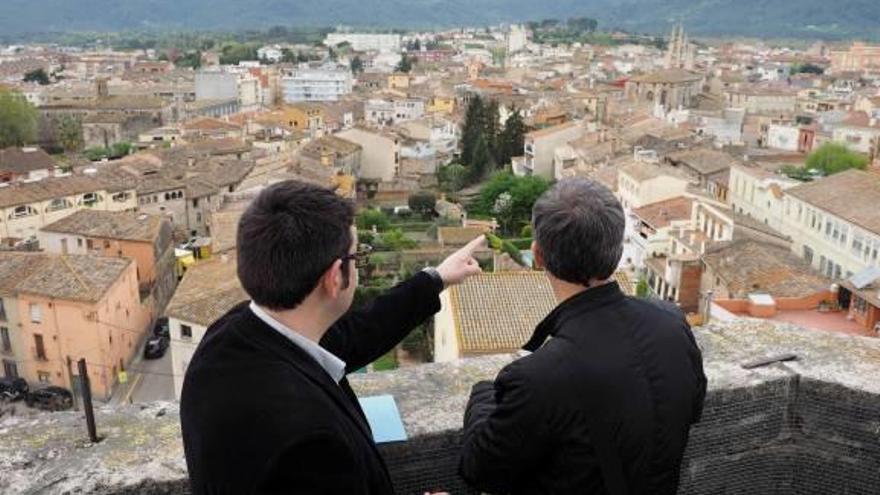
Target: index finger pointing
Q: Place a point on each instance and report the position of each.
(477, 243)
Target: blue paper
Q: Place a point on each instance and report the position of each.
(384, 418)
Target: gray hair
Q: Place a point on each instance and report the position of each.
(579, 227)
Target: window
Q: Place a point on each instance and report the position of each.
(2, 310)
(186, 332)
(39, 347)
(10, 369)
(4, 339)
(21, 212)
(857, 243)
(79, 242)
(36, 313)
(44, 376)
(196, 203)
(120, 197)
(90, 199)
(58, 204)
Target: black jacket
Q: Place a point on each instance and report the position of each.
(604, 406)
(259, 415)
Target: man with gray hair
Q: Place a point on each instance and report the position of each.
(605, 404)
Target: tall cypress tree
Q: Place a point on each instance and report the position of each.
(481, 162)
(512, 138)
(491, 129)
(471, 130)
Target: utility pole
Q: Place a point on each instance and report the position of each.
(87, 399)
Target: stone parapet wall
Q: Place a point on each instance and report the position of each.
(810, 426)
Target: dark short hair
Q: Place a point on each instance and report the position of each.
(287, 238)
(579, 227)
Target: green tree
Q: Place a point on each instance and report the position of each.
(642, 289)
(119, 150)
(582, 24)
(18, 120)
(481, 162)
(512, 138)
(287, 56)
(452, 177)
(423, 203)
(369, 218)
(396, 240)
(357, 65)
(38, 76)
(491, 129)
(523, 191)
(405, 64)
(233, 53)
(192, 60)
(69, 134)
(807, 68)
(472, 129)
(832, 158)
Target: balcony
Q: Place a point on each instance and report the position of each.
(807, 426)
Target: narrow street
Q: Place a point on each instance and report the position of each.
(149, 380)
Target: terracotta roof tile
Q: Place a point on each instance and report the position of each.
(208, 290)
(109, 225)
(853, 195)
(497, 312)
(75, 277)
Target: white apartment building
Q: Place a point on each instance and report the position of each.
(380, 158)
(26, 207)
(640, 184)
(861, 138)
(833, 222)
(216, 85)
(540, 147)
(271, 53)
(783, 137)
(319, 84)
(363, 42)
(759, 194)
(208, 290)
(250, 93)
(391, 112)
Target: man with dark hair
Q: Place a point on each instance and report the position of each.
(606, 403)
(265, 406)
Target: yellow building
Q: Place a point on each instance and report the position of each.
(441, 104)
(302, 116)
(398, 80)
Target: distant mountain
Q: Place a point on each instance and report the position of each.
(767, 18)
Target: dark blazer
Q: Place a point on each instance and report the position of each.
(259, 415)
(604, 406)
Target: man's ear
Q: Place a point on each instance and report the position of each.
(538, 255)
(332, 282)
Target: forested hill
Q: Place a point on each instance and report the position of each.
(765, 18)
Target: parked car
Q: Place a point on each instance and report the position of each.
(12, 389)
(50, 398)
(156, 346)
(160, 328)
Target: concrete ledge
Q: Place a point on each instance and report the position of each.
(810, 426)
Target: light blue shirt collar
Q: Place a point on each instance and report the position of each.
(334, 366)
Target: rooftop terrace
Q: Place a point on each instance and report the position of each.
(810, 426)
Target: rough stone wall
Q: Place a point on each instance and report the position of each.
(806, 427)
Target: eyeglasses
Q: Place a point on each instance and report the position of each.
(361, 257)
